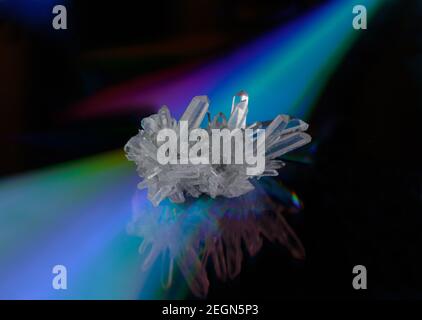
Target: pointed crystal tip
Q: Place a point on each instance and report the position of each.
(239, 111)
(196, 111)
(243, 95)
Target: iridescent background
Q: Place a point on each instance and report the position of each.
(71, 99)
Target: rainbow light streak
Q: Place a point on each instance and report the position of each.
(296, 201)
(283, 72)
(76, 213)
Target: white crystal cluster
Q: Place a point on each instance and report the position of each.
(175, 181)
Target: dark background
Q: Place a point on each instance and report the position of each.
(362, 194)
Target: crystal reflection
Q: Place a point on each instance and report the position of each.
(201, 231)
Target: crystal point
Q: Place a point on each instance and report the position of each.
(196, 111)
(239, 111)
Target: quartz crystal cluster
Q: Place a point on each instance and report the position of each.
(176, 181)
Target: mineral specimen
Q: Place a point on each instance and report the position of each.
(175, 180)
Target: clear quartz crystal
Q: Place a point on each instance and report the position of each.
(239, 111)
(176, 181)
(196, 111)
